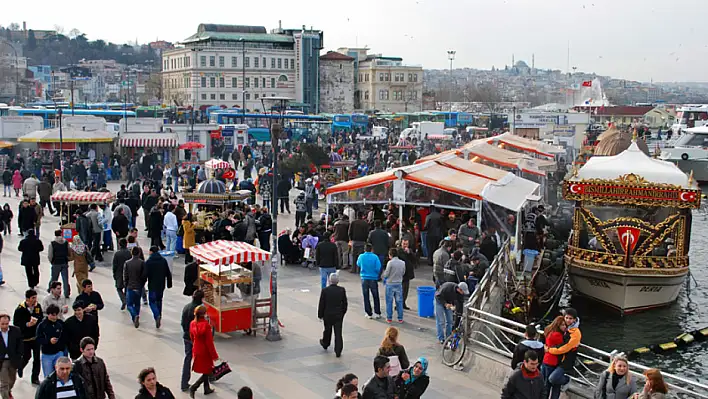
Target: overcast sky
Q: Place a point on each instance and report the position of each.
(633, 39)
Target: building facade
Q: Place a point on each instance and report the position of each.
(336, 83)
(385, 83)
(237, 66)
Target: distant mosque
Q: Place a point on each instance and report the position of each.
(521, 68)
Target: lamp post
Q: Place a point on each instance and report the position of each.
(275, 130)
(243, 77)
(451, 57)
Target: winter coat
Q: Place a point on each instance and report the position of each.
(134, 274)
(621, 391)
(522, 347)
(162, 393)
(189, 238)
(45, 191)
(413, 390)
(333, 303)
(120, 226)
(119, 259)
(155, 222)
(26, 218)
(250, 227)
(396, 350)
(434, 225)
(95, 374)
(7, 177)
(555, 338)
(81, 262)
(29, 187)
(440, 259)
(379, 388)
(456, 271)
(411, 260)
(188, 317)
(283, 188)
(326, 254)
(203, 350)
(341, 230)
(569, 350)
(48, 388)
(359, 230)
(30, 247)
(524, 385)
(75, 330)
(157, 272)
(17, 180)
(380, 240)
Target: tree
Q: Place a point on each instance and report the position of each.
(74, 33)
(31, 40)
(59, 29)
(14, 26)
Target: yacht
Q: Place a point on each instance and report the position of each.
(688, 116)
(690, 152)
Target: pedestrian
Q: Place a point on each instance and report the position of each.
(59, 255)
(326, 258)
(28, 315)
(170, 225)
(530, 342)
(283, 190)
(448, 297)
(39, 214)
(7, 217)
(188, 238)
(413, 382)
(310, 197)
(349, 380)
(133, 281)
(11, 352)
(407, 255)
(655, 387)
(150, 388)
(393, 280)
(380, 240)
(395, 352)
(29, 187)
(17, 182)
(52, 339)
(434, 227)
(554, 337)
(119, 258)
(82, 258)
(616, 382)
(157, 272)
(120, 224)
(567, 353)
(358, 234)
(7, 182)
(62, 382)
(370, 269)
(526, 382)
(106, 220)
(341, 238)
(300, 209)
(26, 218)
(380, 385)
(30, 247)
(331, 310)
(265, 229)
(156, 224)
(55, 298)
(203, 350)
(94, 371)
(186, 321)
(81, 324)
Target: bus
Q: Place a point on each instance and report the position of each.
(155, 111)
(4, 109)
(454, 119)
(304, 126)
(50, 115)
(341, 123)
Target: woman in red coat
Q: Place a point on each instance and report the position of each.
(203, 350)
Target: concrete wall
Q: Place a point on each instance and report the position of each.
(336, 86)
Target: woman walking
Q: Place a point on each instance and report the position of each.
(82, 259)
(203, 350)
(655, 387)
(150, 388)
(395, 352)
(17, 182)
(188, 239)
(412, 383)
(617, 382)
(30, 247)
(554, 337)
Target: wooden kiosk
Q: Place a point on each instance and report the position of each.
(227, 284)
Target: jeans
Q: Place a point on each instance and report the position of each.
(48, 362)
(423, 243)
(7, 190)
(546, 371)
(443, 320)
(64, 271)
(335, 325)
(155, 300)
(187, 365)
(371, 286)
(121, 296)
(176, 181)
(555, 379)
(107, 240)
(324, 275)
(171, 243)
(132, 298)
(394, 291)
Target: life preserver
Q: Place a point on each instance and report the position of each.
(684, 156)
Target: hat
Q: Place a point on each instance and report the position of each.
(463, 286)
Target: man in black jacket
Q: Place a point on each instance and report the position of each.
(187, 317)
(526, 382)
(11, 350)
(264, 229)
(119, 259)
(358, 234)
(530, 343)
(381, 241)
(78, 326)
(50, 389)
(27, 316)
(157, 272)
(407, 255)
(134, 281)
(380, 385)
(331, 310)
(434, 225)
(283, 191)
(92, 300)
(326, 258)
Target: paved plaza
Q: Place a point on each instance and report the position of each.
(295, 367)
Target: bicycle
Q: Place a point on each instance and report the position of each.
(455, 345)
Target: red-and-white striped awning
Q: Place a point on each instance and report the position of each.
(224, 252)
(158, 140)
(82, 197)
(217, 164)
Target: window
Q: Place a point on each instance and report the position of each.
(255, 82)
(248, 95)
(272, 83)
(222, 96)
(255, 96)
(202, 62)
(381, 77)
(264, 83)
(366, 95)
(234, 62)
(212, 82)
(247, 82)
(212, 96)
(280, 63)
(256, 62)
(212, 61)
(221, 82)
(203, 81)
(221, 62)
(400, 77)
(203, 96)
(383, 94)
(412, 77)
(272, 63)
(286, 63)
(164, 65)
(247, 62)
(292, 63)
(264, 62)
(234, 82)
(234, 96)
(388, 76)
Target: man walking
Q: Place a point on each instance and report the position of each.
(393, 279)
(440, 258)
(283, 190)
(11, 349)
(157, 272)
(341, 238)
(169, 223)
(567, 354)
(526, 381)
(358, 234)
(380, 385)
(96, 230)
(58, 253)
(370, 266)
(52, 339)
(331, 310)
(27, 315)
(62, 383)
(92, 300)
(133, 281)
(80, 325)
(119, 259)
(326, 258)
(94, 372)
(187, 317)
(407, 255)
(55, 298)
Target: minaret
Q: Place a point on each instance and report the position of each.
(512, 61)
(533, 61)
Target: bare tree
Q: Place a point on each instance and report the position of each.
(74, 33)
(14, 26)
(153, 87)
(59, 29)
(410, 97)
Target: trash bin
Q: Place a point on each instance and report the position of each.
(529, 257)
(426, 296)
(169, 257)
(180, 245)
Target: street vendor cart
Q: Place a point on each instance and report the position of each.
(228, 285)
(70, 200)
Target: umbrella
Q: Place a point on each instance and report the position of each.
(191, 145)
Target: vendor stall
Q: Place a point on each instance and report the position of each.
(72, 139)
(337, 171)
(69, 200)
(211, 197)
(228, 284)
(162, 145)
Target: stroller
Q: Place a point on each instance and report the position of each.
(309, 243)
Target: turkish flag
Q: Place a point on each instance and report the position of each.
(628, 237)
(587, 83)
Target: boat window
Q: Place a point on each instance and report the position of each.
(692, 140)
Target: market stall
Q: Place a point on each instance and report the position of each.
(210, 198)
(162, 145)
(337, 171)
(81, 141)
(68, 202)
(228, 284)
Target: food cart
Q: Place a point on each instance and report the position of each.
(68, 200)
(336, 172)
(210, 197)
(227, 284)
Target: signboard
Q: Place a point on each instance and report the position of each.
(631, 194)
(564, 130)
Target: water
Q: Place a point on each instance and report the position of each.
(605, 329)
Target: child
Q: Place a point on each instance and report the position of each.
(7, 216)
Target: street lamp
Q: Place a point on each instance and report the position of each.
(275, 130)
(451, 57)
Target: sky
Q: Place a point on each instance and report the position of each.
(641, 40)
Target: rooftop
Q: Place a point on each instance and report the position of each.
(625, 110)
(335, 56)
(235, 33)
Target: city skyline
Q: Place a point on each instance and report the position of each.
(631, 39)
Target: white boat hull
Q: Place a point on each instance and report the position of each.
(699, 167)
(627, 292)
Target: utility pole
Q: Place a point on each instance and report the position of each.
(451, 57)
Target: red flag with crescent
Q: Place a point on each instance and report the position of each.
(575, 188)
(229, 174)
(628, 237)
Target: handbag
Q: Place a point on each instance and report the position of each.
(395, 366)
(180, 231)
(220, 370)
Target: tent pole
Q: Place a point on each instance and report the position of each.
(400, 222)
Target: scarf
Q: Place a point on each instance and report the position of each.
(78, 246)
(423, 363)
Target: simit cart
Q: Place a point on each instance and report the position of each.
(70, 200)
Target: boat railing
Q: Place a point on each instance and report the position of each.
(610, 259)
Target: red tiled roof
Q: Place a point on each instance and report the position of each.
(624, 110)
(335, 56)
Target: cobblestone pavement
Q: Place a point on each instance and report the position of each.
(295, 367)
